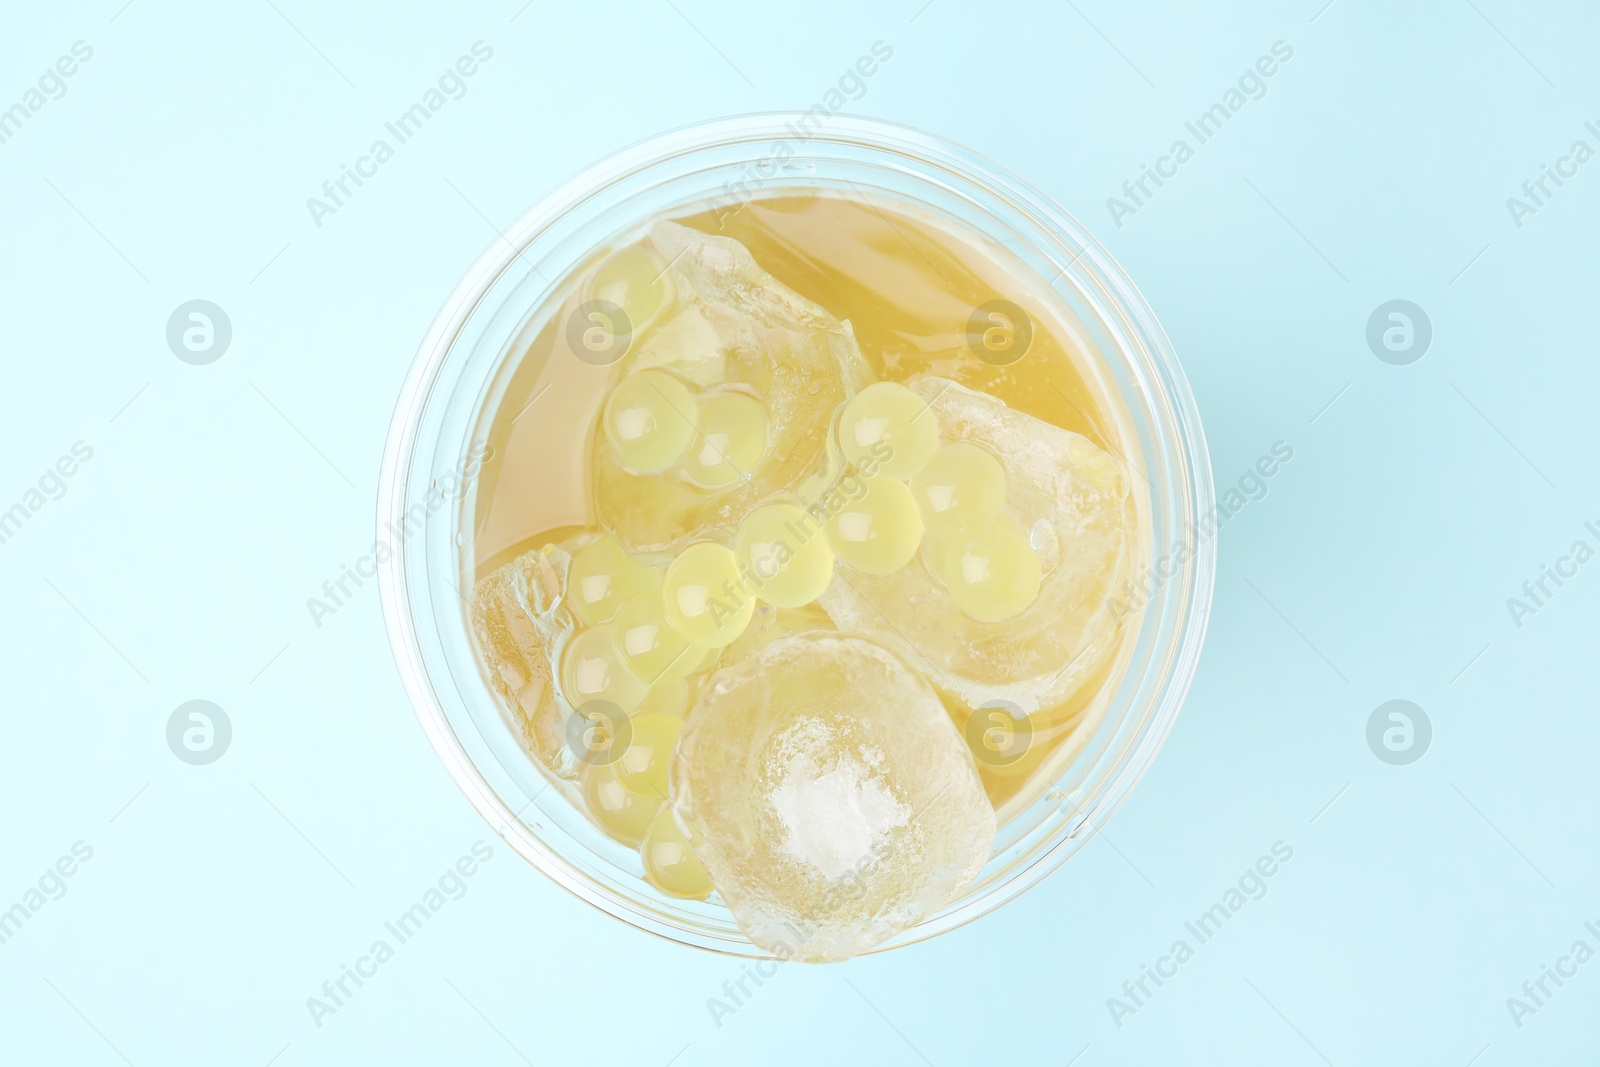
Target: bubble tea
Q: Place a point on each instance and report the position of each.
(787, 499)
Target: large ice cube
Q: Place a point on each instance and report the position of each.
(731, 323)
(1074, 500)
(828, 794)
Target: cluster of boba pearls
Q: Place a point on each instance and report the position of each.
(626, 657)
(912, 486)
(646, 631)
(655, 424)
(908, 484)
(952, 493)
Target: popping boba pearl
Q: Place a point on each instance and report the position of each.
(621, 813)
(649, 421)
(879, 533)
(781, 547)
(592, 670)
(962, 484)
(652, 649)
(705, 600)
(635, 280)
(669, 862)
(889, 428)
(991, 569)
(733, 435)
(603, 577)
(642, 767)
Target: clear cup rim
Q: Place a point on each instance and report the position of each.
(1190, 610)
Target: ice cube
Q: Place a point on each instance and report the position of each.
(731, 326)
(828, 794)
(1074, 500)
(518, 616)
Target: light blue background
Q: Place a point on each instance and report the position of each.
(177, 564)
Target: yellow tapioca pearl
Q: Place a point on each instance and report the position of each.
(879, 533)
(635, 280)
(652, 649)
(643, 765)
(603, 577)
(592, 670)
(621, 813)
(649, 421)
(960, 485)
(704, 595)
(669, 862)
(991, 570)
(786, 554)
(732, 437)
(888, 429)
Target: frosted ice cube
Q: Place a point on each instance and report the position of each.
(731, 324)
(828, 794)
(523, 624)
(1075, 502)
(518, 616)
